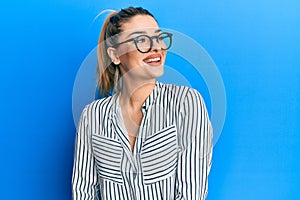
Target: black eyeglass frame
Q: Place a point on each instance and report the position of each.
(135, 40)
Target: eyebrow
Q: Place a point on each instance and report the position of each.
(137, 32)
(143, 32)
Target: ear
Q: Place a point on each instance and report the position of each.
(112, 53)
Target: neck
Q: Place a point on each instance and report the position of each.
(134, 93)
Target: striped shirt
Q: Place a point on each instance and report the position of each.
(172, 153)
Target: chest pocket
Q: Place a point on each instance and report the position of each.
(108, 155)
(159, 155)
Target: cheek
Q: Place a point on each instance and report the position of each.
(164, 53)
(128, 62)
(126, 49)
(133, 58)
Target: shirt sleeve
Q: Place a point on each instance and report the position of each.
(84, 177)
(195, 149)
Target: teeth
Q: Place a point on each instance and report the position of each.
(153, 59)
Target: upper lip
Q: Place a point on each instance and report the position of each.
(148, 58)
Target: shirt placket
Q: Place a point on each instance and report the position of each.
(138, 177)
(136, 180)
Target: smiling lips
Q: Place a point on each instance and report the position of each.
(154, 59)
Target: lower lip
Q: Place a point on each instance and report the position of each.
(154, 63)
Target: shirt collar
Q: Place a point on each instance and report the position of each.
(148, 102)
(152, 97)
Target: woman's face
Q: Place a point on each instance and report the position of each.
(134, 63)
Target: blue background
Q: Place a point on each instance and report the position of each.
(255, 45)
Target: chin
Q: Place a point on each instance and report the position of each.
(156, 72)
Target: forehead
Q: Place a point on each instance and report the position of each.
(140, 22)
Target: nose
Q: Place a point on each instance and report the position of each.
(156, 44)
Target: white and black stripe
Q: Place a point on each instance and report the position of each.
(171, 157)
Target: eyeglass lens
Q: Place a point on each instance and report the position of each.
(144, 43)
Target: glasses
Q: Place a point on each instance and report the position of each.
(144, 43)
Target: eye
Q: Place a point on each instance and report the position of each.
(141, 39)
(163, 36)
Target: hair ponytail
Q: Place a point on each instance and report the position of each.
(107, 72)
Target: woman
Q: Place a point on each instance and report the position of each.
(148, 140)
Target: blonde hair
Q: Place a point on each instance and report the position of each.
(107, 72)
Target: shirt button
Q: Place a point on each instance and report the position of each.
(179, 149)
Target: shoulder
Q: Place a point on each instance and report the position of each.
(99, 105)
(193, 103)
(172, 90)
(183, 98)
(182, 93)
